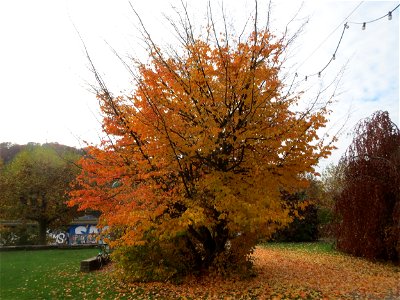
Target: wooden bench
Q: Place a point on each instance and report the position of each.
(90, 264)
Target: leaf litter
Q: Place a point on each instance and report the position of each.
(284, 274)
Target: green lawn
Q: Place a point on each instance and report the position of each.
(50, 274)
(314, 247)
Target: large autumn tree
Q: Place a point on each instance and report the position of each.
(198, 157)
(34, 186)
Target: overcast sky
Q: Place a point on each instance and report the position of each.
(45, 78)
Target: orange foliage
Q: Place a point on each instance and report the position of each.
(202, 149)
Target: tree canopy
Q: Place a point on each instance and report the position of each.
(34, 186)
(198, 157)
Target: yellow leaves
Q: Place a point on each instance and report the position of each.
(302, 205)
(286, 274)
(193, 216)
(207, 138)
(327, 273)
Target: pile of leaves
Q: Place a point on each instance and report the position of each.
(284, 274)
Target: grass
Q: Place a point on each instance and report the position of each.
(314, 247)
(49, 274)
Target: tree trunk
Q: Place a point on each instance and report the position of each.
(212, 243)
(42, 232)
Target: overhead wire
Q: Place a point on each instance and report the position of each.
(389, 14)
(329, 35)
(333, 57)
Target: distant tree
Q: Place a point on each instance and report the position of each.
(330, 187)
(304, 227)
(9, 150)
(34, 186)
(368, 205)
(2, 196)
(331, 184)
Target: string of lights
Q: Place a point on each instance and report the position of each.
(329, 35)
(389, 15)
(346, 26)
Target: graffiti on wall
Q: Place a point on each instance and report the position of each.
(83, 234)
(61, 238)
(75, 235)
(57, 237)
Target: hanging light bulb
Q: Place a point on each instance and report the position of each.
(319, 74)
(364, 25)
(346, 26)
(389, 15)
(334, 56)
(295, 74)
(306, 78)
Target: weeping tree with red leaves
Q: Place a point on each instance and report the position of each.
(368, 206)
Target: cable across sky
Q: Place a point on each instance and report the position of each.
(346, 26)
